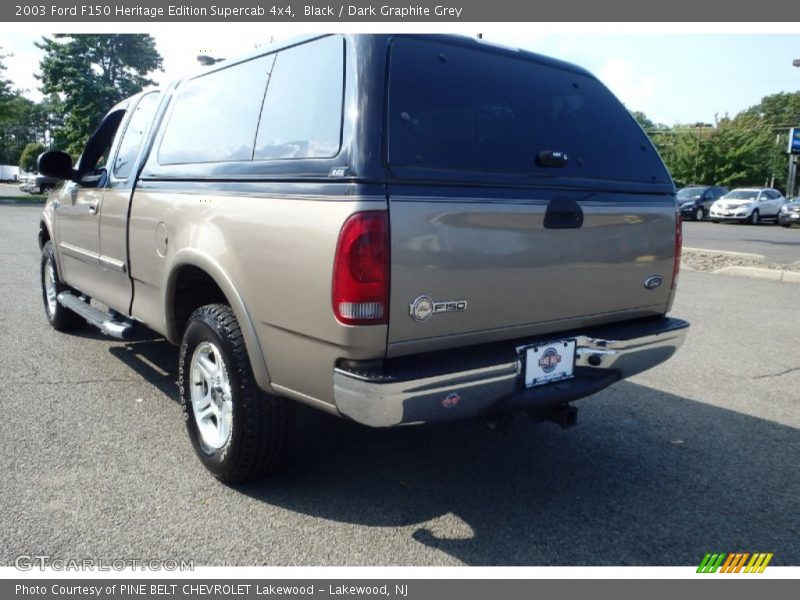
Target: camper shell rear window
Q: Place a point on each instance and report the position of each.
(456, 109)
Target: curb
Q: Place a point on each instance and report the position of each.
(26, 202)
(760, 273)
(726, 253)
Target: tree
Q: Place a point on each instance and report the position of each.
(777, 110)
(5, 84)
(27, 161)
(92, 73)
(776, 113)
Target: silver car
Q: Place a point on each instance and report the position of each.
(748, 205)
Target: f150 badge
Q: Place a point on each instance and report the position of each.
(424, 307)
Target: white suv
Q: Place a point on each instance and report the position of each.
(748, 205)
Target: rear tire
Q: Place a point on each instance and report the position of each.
(238, 431)
(59, 317)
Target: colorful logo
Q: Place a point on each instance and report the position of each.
(735, 562)
(549, 360)
(451, 400)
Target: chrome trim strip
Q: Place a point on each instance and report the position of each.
(79, 253)
(112, 263)
(93, 258)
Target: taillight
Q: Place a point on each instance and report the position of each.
(361, 270)
(678, 247)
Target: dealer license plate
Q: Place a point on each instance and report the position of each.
(549, 362)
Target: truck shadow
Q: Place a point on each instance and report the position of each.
(153, 358)
(646, 478)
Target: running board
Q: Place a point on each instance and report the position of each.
(110, 324)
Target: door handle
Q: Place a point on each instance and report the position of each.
(563, 213)
(93, 207)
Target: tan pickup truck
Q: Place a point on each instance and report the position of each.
(394, 229)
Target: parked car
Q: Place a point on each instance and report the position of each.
(34, 183)
(696, 200)
(748, 205)
(393, 245)
(790, 213)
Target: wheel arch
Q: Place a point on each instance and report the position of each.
(189, 286)
(44, 232)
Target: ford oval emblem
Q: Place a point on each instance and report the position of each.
(422, 309)
(653, 282)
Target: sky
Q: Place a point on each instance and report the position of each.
(671, 77)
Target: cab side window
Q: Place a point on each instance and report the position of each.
(135, 131)
(215, 115)
(92, 163)
(302, 114)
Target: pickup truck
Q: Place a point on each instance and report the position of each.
(34, 183)
(395, 229)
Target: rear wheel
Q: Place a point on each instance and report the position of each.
(59, 317)
(238, 431)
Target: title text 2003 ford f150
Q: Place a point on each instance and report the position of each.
(393, 229)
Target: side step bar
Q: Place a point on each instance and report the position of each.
(110, 324)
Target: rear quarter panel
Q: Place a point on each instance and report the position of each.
(276, 251)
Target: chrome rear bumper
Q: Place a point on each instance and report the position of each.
(433, 389)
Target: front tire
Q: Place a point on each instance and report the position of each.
(754, 218)
(59, 317)
(237, 431)
(786, 225)
(699, 214)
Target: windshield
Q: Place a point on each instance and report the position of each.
(742, 195)
(688, 193)
(474, 111)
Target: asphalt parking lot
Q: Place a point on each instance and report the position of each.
(776, 244)
(698, 455)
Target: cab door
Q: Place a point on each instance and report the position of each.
(77, 211)
(115, 289)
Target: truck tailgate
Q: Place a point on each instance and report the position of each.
(507, 274)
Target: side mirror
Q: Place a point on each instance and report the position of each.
(56, 164)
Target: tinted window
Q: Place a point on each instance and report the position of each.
(95, 155)
(689, 193)
(135, 131)
(742, 195)
(302, 115)
(216, 115)
(473, 110)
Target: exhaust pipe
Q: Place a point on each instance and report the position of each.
(563, 415)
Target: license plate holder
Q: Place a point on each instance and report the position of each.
(549, 362)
